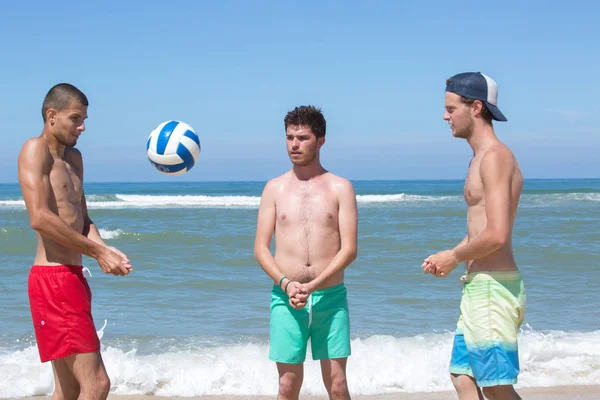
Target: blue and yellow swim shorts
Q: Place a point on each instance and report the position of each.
(485, 342)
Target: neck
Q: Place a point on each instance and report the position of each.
(56, 148)
(307, 172)
(482, 138)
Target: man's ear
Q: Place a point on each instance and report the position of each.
(51, 115)
(477, 107)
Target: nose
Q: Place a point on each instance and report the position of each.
(82, 127)
(295, 143)
(446, 116)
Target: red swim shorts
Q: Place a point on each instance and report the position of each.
(61, 308)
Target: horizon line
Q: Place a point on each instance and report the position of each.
(352, 180)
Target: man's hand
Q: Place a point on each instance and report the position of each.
(297, 294)
(113, 261)
(440, 264)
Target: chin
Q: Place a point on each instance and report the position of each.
(301, 163)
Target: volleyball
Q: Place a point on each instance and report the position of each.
(173, 147)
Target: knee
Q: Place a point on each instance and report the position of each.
(103, 384)
(339, 388)
(99, 388)
(289, 386)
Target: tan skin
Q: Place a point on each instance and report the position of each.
(492, 192)
(313, 214)
(51, 179)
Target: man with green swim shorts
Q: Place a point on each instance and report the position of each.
(313, 215)
(485, 359)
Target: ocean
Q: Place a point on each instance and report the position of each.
(193, 317)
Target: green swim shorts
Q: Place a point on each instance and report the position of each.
(324, 320)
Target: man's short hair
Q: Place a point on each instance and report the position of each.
(60, 96)
(308, 116)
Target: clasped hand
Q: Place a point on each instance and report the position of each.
(298, 294)
(440, 264)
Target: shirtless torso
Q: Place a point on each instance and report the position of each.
(307, 233)
(474, 193)
(64, 182)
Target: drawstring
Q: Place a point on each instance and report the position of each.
(86, 270)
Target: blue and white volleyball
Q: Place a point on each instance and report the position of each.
(173, 147)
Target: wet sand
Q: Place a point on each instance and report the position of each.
(549, 393)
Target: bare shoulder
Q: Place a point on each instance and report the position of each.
(500, 165)
(498, 155)
(74, 157)
(276, 184)
(35, 150)
(340, 185)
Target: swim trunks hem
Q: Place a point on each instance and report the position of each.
(461, 371)
(68, 353)
(496, 382)
(329, 357)
(286, 361)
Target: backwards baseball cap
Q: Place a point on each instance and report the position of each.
(475, 85)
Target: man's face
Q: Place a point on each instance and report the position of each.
(66, 125)
(458, 115)
(302, 144)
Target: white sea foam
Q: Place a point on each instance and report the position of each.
(129, 201)
(379, 364)
(108, 234)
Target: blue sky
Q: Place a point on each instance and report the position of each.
(232, 70)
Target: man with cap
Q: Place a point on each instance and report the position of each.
(485, 358)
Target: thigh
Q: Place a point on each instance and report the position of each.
(294, 372)
(334, 369)
(66, 386)
(87, 368)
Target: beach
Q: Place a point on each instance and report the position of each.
(552, 393)
(192, 320)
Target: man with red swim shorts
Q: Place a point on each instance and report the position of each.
(51, 179)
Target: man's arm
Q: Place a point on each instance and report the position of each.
(430, 268)
(348, 224)
(265, 226)
(496, 173)
(34, 165)
(89, 228)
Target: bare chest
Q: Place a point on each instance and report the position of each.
(66, 184)
(473, 190)
(300, 208)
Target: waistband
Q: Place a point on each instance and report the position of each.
(331, 289)
(493, 276)
(56, 269)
